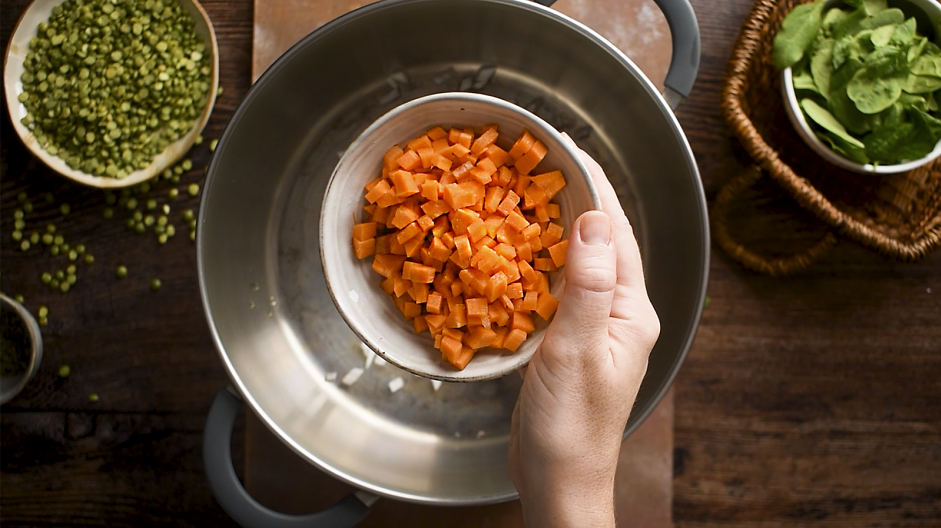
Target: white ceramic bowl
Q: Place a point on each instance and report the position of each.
(353, 284)
(39, 11)
(10, 386)
(932, 9)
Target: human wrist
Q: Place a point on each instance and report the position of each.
(569, 505)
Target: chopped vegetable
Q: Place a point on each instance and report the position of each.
(462, 233)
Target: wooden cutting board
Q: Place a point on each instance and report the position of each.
(281, 480)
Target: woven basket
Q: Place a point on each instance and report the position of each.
(898, 215)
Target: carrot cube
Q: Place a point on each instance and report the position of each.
(409, 160)
(463, 247)
(462, 218)
(544, 264)
(419, 324)
(552, 234)
(497, 155)
(550, 182)
(386, 265)
(429, 190)
(364, 248)
(514, 290)
(418, 272)
(557, 252)
(531, 233)
(435, 209)
(434, 302)
(458, 316)
(378, 191)
(522, 145)
(389, 159)
(425, 223)
(496, 286)
(527, 162)
(530, 300)
(514, 339)
(364, 231)
(411, 231)
(509, 202)
(483, 141)
(518, 222)
(522, 321)
(438, 250)
(419, 292)
(476, 307)
(450, 348)
(422, 141)
(546, 305)
(479, 337)
(404, 183)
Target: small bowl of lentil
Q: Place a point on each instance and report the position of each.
(20, 349)
(110, 94)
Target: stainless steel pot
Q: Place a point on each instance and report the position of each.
(273, 322)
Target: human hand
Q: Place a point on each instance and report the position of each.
(582, 381)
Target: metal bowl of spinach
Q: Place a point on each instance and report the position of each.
(862, 81)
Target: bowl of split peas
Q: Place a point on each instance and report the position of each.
(443, 234)
(110, 93)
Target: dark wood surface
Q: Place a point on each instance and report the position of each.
(813, 400)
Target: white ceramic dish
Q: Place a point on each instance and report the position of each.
(10, 386)
(39, 11)
(932, 9)
(352, 283)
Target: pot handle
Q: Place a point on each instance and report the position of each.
(235, 500)
(684, 63)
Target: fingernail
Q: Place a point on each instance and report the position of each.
(595, 229)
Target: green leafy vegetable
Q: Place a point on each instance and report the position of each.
(869, 83)
(797, 33)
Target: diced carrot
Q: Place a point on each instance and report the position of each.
(477, 230)
(485, 259)
(409, 232)
(419, 292)
(448, 240)
(493, 223)
(511, 269)
(461, 361)
(364, 231)
(461, 219)
(457, 196)
(436, 133)
(422, 141)
(389, 159)
(433, 304)
(534, 197)
(476, 306)
(386, 264)
(514, 339)
(450, 349)
(527, 271)
(378, 191)
(544, 264)
(389, 198)
(552, 234)
(409, 160)
(388, 286)
(418, 272)
(514, 290)
(457, 317)
(425, 223)
(479, 337)
(522, 321)
(411, 310)
(380, 215)
(530, 300)
(372, 183)
(531, 232)
(522, 145)
(496, 286)
(364, 248)
(438, 250)
(457, 288)
(404, 183)
(517, 221)
(454, 135)
(463, 247)
(510, 201)
(429, 190)
(550, 182)
(546, 305)
(419, 324)
(527, 162)
(497, 155)
(435, 209)
(483, 141)
(554, 210)
(504, 176)
(557, 252)
(542, 214)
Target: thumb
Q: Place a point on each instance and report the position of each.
(590, 280)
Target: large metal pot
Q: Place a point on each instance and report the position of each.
(273, 322)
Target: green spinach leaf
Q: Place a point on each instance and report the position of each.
(797, 32)
(822, 117)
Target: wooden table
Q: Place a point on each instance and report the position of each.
(813, 400)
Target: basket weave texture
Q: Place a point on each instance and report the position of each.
(898, 215)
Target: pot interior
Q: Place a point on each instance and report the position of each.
(274, 323)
